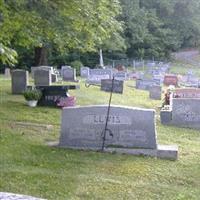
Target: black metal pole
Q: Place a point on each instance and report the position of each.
(107, 116)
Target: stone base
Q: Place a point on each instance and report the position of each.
(163, 151)
(12, 196)
(169, 152)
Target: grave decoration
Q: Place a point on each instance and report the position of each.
(56, 95)
(113, 129)
(183, 109)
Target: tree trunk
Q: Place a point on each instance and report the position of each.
(41, 56)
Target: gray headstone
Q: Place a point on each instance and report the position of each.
(155, 92)
(68, 73)
(96, 75)
(20, 80)
(144, 84)
(85, 72)
(33, 69)
(42, 77)
(186, 112)
(7, 72)
(82, 127)
(120, 75)
(106, 85)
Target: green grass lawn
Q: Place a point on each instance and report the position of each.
(29, 166)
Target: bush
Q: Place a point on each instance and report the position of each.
(32, 94)
(77, 65)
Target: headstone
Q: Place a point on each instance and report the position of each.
(131, 130)
(185, 108)
(121, 75)
(171, 80)
(33, 69)
(7, 72)
(186, 112)
(144, 84)
(85, 72)
(42, 77)
(68, 73)
(155, 92)
(20, 80)
(117, 87)
(151, 64)
(96, 75)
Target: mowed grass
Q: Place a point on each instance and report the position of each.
(29, 166)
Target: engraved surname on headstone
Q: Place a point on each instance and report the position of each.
(101, 119)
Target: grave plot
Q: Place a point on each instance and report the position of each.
(130, 130)
(184, 109)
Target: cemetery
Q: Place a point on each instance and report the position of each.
(135, 131)
(99, 100)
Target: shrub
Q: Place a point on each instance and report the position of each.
(77, 65)
(32, 94)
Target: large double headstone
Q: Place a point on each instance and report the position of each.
(20, 81)
(68, 73)
(96, 75)
(146, 84)
(129, 130)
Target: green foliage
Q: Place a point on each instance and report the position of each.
(7, 55)
(77, 65)
(32, 94)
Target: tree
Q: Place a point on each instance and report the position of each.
(71, 24)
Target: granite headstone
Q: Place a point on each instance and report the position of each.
(20, 81)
